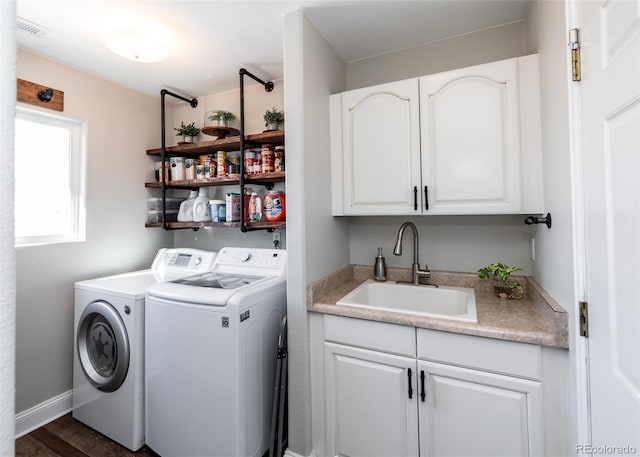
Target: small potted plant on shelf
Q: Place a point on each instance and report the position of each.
(188, 132)
(273, 119)
(221, 118)
(504, 286)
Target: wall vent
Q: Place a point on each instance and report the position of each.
(22, 25)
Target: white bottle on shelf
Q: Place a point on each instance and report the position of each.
(185, 214)
(201, 210)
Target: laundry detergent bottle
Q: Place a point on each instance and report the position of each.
(185, 214)
(201, 210)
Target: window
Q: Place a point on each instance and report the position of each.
(49, 178)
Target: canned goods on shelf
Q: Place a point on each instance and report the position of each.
(256, 167)
(278, 160)
(249, 157)
(267, 158)
(221, 157)
(200, 172)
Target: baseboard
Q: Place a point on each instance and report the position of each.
(42, 414)
(289, 453)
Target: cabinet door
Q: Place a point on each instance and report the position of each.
(369, 412)
(470, 140)
(468, 412)
(381, 149)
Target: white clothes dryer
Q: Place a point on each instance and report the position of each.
(210, 356)
(108, 364)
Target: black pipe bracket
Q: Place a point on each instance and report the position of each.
(546, 220)
(163, 150)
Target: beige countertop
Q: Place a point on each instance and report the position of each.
(537, 318)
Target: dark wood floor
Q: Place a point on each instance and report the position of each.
(66, 437)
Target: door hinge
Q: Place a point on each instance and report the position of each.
(584, 319)
(574, 44)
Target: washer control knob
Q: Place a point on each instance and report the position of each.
(245, 256)
(197, 260)
(127, 310)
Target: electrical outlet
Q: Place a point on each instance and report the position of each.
(276, 240)
(532, 249)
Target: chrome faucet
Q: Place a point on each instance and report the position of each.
(416, 272)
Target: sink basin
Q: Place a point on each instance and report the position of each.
(445, 302)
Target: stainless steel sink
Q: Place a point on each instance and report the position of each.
(445, 302)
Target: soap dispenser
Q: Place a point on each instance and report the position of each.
(185, 214)
(380, 267)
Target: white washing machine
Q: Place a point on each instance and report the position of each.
(108, 365)
(210, 356)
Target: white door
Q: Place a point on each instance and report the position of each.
(371, 403)
(381, 147)
(470, 139)
(473, 413)
(610, 36)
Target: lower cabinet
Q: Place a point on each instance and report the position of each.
(371, 402)
(472, 413)
(392, 405)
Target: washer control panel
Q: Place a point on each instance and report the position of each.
(265, 261)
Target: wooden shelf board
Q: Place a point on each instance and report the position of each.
(223, 144)
(273, 137)
(278, 176)
(178, 225)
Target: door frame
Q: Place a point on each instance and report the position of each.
(579, 370)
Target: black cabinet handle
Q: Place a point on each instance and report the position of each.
(423, 394)
(426, 197)
(415, 198)
(409, 379)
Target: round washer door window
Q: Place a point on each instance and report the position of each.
(103, 346)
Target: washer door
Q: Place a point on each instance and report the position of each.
(103, 346)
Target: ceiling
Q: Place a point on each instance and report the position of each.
(209, 41)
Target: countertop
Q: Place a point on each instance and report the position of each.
(536, 318)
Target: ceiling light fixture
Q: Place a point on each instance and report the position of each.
(135, 45)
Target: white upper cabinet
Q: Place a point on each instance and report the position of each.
(478, 136)
(470, 140)
(381, 145)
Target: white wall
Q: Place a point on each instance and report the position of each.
(7, 253)
(122, 124)
(460, 243)
(489, 45)
(450, 243)
(318, 243)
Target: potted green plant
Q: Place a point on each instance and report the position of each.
(221, 118)
(188, 132)
(504, 286)
(273, 119)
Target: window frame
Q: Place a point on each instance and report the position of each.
(77, 176)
